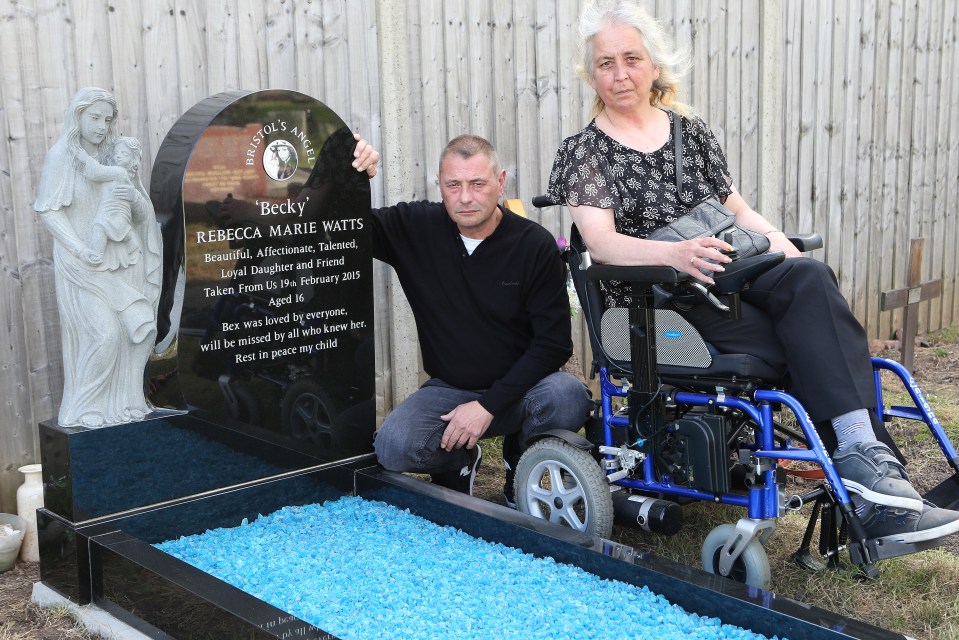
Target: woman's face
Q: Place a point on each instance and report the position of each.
(95, 121)
(622, 72)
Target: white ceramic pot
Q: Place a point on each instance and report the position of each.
(29, 499)
(10, 543)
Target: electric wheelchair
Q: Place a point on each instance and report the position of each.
(678, 422)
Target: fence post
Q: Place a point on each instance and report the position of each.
(396, 167)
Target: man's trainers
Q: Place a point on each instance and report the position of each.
(511, 456)
(903, 525)
(463, 479)
(509, 490)
(871, 470)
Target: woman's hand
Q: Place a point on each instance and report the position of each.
(689, 256)
(779, 242)
(608, 246)
(365, 157)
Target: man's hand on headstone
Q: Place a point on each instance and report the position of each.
(365, 157)
(467, 424)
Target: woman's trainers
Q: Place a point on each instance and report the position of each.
(898, 525)
(871, 470)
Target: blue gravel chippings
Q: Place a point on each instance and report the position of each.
(363, 569)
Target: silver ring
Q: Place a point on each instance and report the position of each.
(692, 260)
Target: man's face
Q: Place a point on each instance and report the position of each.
(471, 190)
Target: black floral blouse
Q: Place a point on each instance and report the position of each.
(595, 170)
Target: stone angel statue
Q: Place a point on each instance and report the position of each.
(107, 259)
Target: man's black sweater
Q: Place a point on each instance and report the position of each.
(497, 320)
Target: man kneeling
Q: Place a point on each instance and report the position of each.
(487, 288)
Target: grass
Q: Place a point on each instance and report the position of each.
(23, 620)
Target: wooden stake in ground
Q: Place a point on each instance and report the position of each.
(910, 297)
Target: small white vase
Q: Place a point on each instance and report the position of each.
(29, 499)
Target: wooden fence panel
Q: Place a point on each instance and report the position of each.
(289, 65)
(902, 223)
(830, 102)
(161, 77)
(192, 57)
(860, 207)
(251, 20)
(220, 26)
(937, 122)
(431, 67)
(844, 88)
(947, 188)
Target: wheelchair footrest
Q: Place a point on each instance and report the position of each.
(946, 493)
(884, 549)
(805, 559)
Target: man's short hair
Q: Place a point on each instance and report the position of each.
(466, 146)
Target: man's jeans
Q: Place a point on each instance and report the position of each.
(409, 439)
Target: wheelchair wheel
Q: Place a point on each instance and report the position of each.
(751, 568)
(556, 481)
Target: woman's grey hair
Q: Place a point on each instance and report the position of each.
(672, 64)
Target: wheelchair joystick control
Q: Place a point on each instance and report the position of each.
(731, 253)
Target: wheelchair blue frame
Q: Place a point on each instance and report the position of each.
(763, 500)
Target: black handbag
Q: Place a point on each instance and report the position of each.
(707, 217)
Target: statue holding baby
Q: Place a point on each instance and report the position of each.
(107, 258)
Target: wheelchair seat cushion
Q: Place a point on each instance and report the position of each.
(732, 366)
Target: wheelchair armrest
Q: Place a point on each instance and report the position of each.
(739, 273)
(806, 241)
(642, 275)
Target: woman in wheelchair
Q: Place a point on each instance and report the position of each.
(617, 176)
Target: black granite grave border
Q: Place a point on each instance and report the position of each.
(133, 580)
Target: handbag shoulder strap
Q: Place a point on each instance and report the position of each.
(678, 142)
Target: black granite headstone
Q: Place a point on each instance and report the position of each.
(276, 329)
(265, 363)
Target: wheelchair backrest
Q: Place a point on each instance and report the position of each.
(677, 341)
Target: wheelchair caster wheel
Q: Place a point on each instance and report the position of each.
(751, 567)
(560, 483)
